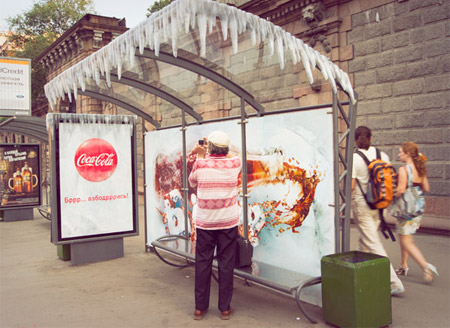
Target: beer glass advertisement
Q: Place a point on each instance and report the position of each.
(19, 175)
(96, 180)
(290, 185)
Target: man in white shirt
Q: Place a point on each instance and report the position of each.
(368, 220)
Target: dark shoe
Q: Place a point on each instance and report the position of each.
(226, 315)
(198, 315)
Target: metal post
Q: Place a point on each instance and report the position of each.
(348, 179)
(185, 188)
(337, 220)
(243, 122)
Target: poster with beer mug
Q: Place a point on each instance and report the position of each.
(20, 175)
(95, 176)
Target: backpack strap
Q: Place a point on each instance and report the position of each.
(384, 228)
(363, 156)
(409, 173)
(378, 153)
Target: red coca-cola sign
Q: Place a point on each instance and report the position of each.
(96, 160)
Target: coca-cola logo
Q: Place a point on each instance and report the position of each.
(96, 160)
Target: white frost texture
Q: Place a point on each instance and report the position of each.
(168, 25)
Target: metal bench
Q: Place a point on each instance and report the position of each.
(266, 275)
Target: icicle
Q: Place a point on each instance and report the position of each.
(75, 91)
(165, 24)
(149, 32)
(156, 40)
(280, 50)
(174, 34)
(322, 67)
(187, 21)
(202, 32)
(234, 33)
(211, 21)
(224, 24)
(141, 40)
(271, 44)
(193, 12)
(305, 60)
(253, 37)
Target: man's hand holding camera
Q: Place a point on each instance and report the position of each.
(201, 148)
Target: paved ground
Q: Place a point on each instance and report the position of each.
(37, 289)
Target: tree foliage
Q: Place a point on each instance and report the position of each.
(34, 30)
(157, 6)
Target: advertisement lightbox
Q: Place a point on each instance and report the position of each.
(290, 185)
(20, 175)
(15, 86)
(95, 176)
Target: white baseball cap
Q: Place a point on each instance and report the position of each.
(219, 139)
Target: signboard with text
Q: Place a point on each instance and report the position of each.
(15, 86)
(96, 185)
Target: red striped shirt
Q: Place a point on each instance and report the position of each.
(216, 179)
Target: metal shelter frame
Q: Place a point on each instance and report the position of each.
(344, 115)
(33, 127)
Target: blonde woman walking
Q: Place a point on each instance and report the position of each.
(412, 175)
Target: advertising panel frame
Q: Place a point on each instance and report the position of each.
(316, 234)
(27, 88)
(54, 121)
(37, 162)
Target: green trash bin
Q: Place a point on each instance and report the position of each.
(356, 290)
(63, 252)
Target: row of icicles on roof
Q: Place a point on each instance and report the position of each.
(176, 19)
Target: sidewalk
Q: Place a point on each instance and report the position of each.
(37, 289)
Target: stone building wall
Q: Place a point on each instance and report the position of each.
(397, 53)
(401, 70)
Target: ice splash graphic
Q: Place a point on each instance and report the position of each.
(298, 184)
(283, 179)
(175, 20)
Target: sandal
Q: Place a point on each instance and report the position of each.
(402, 271)
(429, 273)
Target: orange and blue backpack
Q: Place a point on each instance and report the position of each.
(381, 187)
(382, 182)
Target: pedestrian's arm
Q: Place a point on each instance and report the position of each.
(425, 184)
(402, 182)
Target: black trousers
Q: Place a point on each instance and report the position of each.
(207, 240)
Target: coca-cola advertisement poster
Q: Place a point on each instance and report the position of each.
(290, 182)
(20, 175)
(95, 180)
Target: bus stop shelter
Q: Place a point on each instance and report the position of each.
(198, 62)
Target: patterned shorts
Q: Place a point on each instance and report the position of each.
(408, 227)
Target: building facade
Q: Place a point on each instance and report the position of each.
(395, 51)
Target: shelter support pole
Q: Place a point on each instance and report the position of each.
(343, 159)
(243, 123)
(185, 188)
(350, 142)
(337, 221)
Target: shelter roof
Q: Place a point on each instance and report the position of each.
(168, 50)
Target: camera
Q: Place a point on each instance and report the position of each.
(201, 142)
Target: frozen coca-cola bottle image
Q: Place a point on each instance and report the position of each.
(26, 176)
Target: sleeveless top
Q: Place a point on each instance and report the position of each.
(418, 187)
